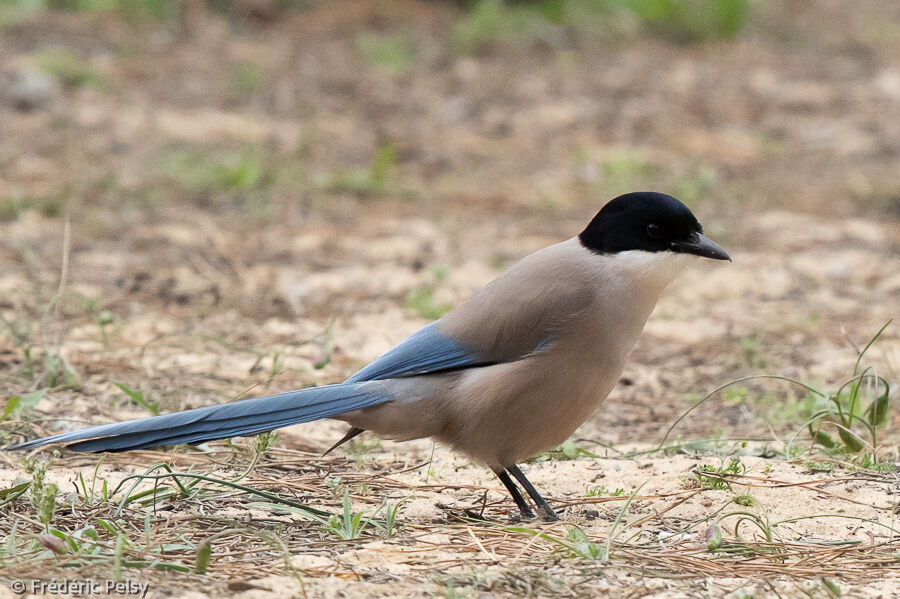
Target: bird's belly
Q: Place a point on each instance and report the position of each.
(502, 424)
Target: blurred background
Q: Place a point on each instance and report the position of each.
(198, 199)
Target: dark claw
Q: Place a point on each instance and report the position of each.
(522, 517)
(547, 514)
(526, 514)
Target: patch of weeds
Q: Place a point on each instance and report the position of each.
(21, 330)
(735, 396)
(51, 206)
(19, 404)
(108, 536)
(707, 474)
(136, 9)
(102, 317)
(246, 78)
(693, 188)
(157, 10)
(602, 490)
(334, 486)
(396, 53)
(71, 70)
(361, 450)
(886, 467)
(759, 522)
(92, 495)
(193, 169)
(843, 423)
(432, 474)
(388, 525)
(13, 12)
(855, 411)
(204, 555)
(451, 592)
(810, 322)
(751, 351)
(14, 206)
(623, 170)
(51, 369)
(421, 299)
(687, 21)
(246, 173)
(362, 489)
(831, 587)
(489, 21)
(276, 357)
(137, 396)
(149, 198)
(820, 465)
(621, 174)
(42, 494)
(262, 443)
(349, 525)
(579, 544)
(277, 366)
(83, 5)
(781, 410)
(242, 179)
(567, 450)
(189, 484)
(547, 21)
(691, 20)
(745, 500)
(198, 170)
(576, 542)
(371, 180)
(886, 201)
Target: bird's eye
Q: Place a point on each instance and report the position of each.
(653, 231)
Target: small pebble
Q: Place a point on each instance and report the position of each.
(31, 89)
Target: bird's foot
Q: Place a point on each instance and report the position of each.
(547, 514)
(523, 516)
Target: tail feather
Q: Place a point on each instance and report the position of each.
(238, 419)
(115, 444)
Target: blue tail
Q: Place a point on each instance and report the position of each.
(238, 419)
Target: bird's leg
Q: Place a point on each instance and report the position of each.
(524, 509)
(543, 507)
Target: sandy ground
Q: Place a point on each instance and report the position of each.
(785, 142)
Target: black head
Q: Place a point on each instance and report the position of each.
(650, 222)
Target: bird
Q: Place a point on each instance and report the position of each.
(509, 373)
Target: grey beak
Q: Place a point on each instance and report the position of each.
(700, 245)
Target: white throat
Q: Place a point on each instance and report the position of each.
(651, 270)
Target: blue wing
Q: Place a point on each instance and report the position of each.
(424, 352)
